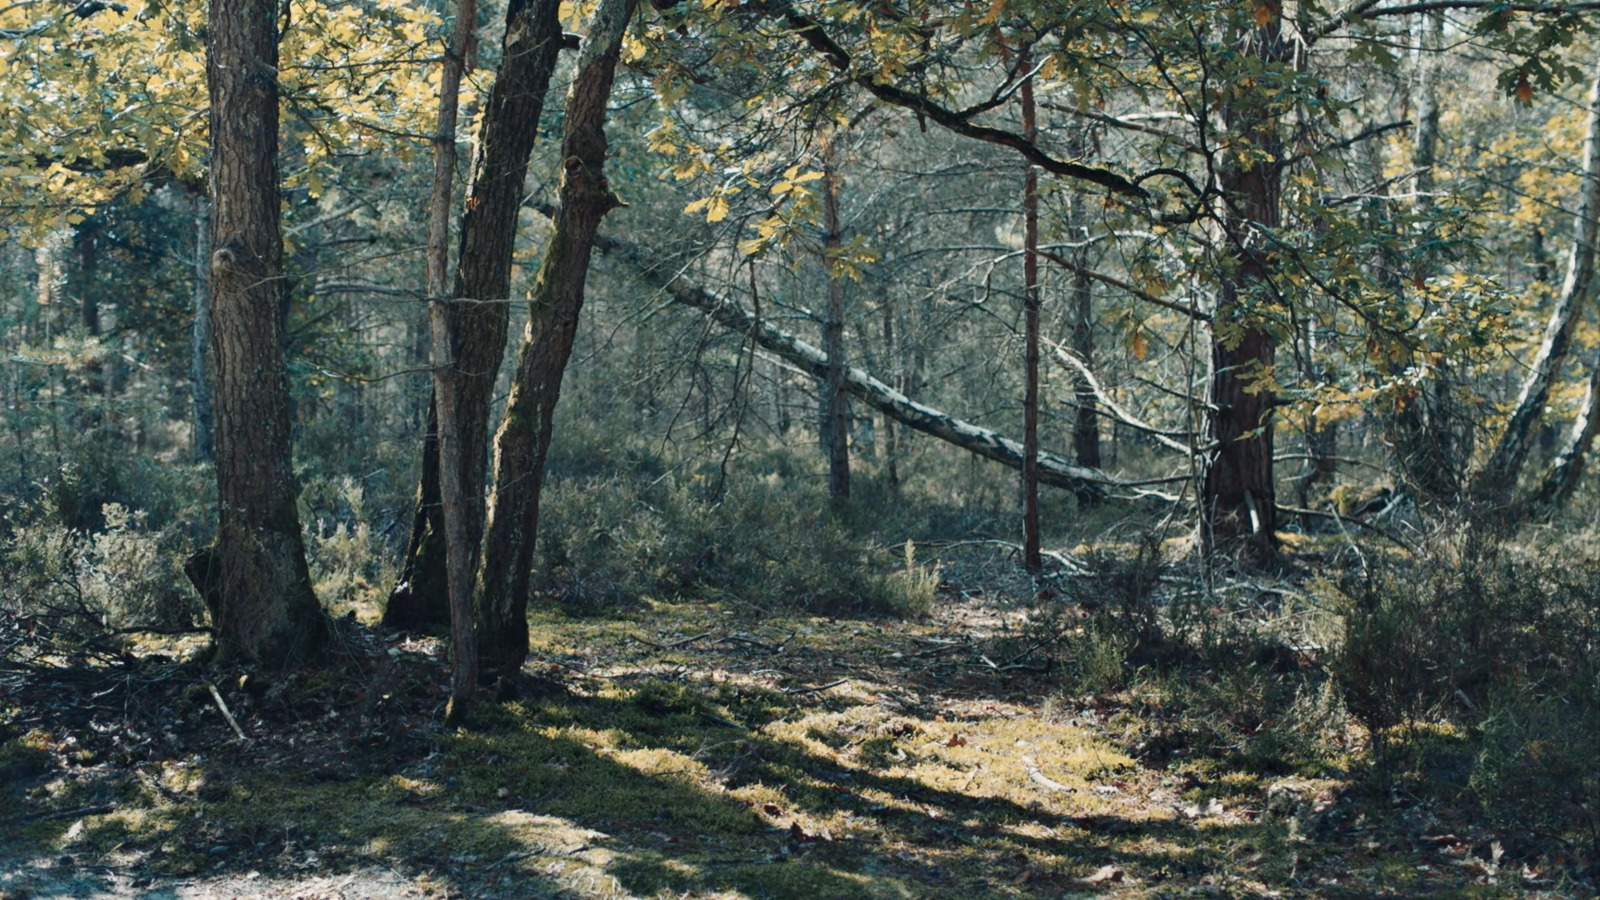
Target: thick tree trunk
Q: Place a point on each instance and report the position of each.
(268, 613)
(1497, 481)
(835, 427)
(1238, 502)
(478, 317)
(1053, 470)
(1032, 559)
(201, 368)
(524, 437)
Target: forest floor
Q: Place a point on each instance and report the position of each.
(693, 750)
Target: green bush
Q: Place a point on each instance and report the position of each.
(350, 565)
(1433, 636)
(1539, 765)
(81, 586)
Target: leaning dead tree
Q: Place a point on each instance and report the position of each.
(1054, 470)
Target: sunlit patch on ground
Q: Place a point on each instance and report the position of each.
(694, 751)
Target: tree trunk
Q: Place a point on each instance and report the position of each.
(1496, 483)
(524, 437)
(1420, 429)
(201, 367)
(1238, 508)
(454, 505)
(891, 428)
(1032, 560)
(1560, 480)
(835, 400)
(268, 613)
(478, 318)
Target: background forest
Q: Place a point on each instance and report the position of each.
(1225, 372)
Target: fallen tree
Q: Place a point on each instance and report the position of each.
(1054, 470)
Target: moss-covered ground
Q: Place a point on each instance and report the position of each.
(692, 750)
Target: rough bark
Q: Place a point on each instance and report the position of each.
(1497, 480)
(478, 318)
(268, 613)
(1238, 508)
(524, 436)
(1053, 470)
(1032, 558)
(835, 425)
(200, 361)
(446, 374)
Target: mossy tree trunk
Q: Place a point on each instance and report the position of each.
(524, 437)
(477, 316)
(267, 611)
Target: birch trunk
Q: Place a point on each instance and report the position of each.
(1497, 480)
(987, 443)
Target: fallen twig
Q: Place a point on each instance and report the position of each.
(223, 707)
(760, 645)
(70, 813)
(814, 690)
(675, 644)
(1044, 781)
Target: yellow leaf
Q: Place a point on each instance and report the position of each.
(1140, 348)
(718, 210)
(996, 7)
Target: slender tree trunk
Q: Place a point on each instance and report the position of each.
(1322, 438)
(447, 374)
(478, 318)
(267, 612)
(891, 428)
(1086, 422)
(1421, 430)
(1497, 481)
(201, 368)
(524, 436)
(835, 399)
(1239, 497)
(1032, 560)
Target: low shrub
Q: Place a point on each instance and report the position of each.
(78, 587)
(613, 540)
